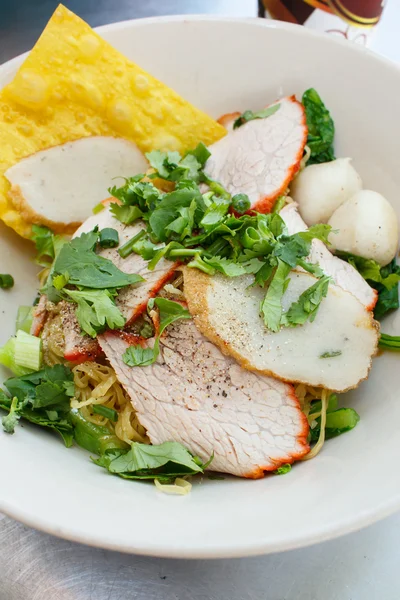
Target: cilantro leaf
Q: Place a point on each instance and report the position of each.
(249, 115)
(321, 129)
(96, 309)
(86, 268)
(271, 306)
(307, 305)
(226, 266)
(136, 356)
(169, 311)
(168, 210)
(125, 213)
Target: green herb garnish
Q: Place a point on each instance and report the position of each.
(6, 281)
(249, 115)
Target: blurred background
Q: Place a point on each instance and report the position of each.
(21, 21)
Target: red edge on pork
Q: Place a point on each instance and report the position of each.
(195, 395)
(235, 153)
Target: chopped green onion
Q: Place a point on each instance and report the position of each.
(126, 249)
(28, 350)
(24, 319)
(105, 411)
(6, 281)
(241, 203)
(389, 342)
(184, 252)
(108, 238)
(98, 208)
(279, 204)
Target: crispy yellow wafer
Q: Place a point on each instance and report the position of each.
(74, 84)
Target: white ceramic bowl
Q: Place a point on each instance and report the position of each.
(223, 65)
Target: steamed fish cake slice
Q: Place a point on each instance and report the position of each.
(334, 351)
(261, 157)
(197, 396)
(59, 186)
(73, 84)
(342, 273)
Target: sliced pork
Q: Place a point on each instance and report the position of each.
(197, 396)
(334, 351)
(132, 300)
(343, 274)
(261, 157)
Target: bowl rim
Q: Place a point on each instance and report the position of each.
(240, 549)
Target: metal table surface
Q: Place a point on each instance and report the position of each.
(36, 566)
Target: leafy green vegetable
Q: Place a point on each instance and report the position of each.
(42, 398)
(108, 238)
(6, 281)
(337, 422)
(137, 356)
(307, 305)
(94, 438)
(125, 213)
(48, 245)
(164, 462)
(96, 309)
(168, 210)
(172, 167)
(271, 306)
(321, 129)
(383, 279)
(86, 268)
(169, 311)
(249, 115)
(105, 411)
(283, 469)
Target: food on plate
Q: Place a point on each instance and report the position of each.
(321, 188)
(72, 85)
(261, 159)
(59, 186)
(197, 396)
(193, 321)
(366, 226)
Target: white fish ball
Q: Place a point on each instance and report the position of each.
(320, 189)
(367, 226)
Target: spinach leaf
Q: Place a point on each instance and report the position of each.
(321, 129)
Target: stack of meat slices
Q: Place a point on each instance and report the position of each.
(223, 383)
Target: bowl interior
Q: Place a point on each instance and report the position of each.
(224, 65)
